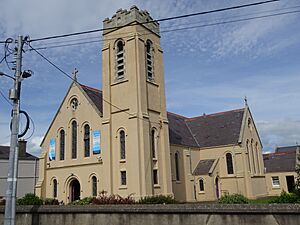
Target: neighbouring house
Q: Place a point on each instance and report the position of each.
(122, 140)
(28, 170)
(280, 169)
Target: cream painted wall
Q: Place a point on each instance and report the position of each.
(81, 167)
(276, 190)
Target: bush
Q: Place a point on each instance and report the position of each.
(233, 199)
(158, 199)
(104, 198)
(84, 201)
(285, 197)
(51, 201)
(30, 199)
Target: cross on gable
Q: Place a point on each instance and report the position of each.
(74, 73)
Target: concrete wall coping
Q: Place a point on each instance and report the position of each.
(166, 209)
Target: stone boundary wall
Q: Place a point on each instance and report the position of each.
(186, 214)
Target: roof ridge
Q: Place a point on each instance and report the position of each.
(290, 146)
(174, 114)
(279, 153)
(91, 88)
(214, 114)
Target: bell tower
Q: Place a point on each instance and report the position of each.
(136, 151)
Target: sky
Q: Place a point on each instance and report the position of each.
(207, 69)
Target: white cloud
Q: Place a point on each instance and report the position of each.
(274, 133)
(33, 145)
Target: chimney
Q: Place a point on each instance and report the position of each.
(22, 148)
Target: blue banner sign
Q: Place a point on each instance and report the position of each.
(52, 149)
(96, 142)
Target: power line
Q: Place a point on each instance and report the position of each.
(176, 29)
(4, 97)
(68, 76)
(155, 21)
(65, 42)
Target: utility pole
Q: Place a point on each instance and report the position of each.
(14, 95)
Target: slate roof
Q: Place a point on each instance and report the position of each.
(206, 131)
(95, 95)
(280, 162)
(286, 149)
(179, 133)
(4, 154)
(203, 167)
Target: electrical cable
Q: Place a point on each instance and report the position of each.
(6, 99)
(154, 21)
(27, 124)
(33, 129)
(173, 30)
(68, 76)
(7, 49)
(172, 25)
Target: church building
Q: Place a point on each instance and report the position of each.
(122, 140)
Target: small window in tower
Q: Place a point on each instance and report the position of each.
(123, 178)
(153, 144)
(155, 176)
(149, 60)
(122, 145)
(120, 65)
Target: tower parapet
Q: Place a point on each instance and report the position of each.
(124, 17)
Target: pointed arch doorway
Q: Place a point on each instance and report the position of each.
(74, 190)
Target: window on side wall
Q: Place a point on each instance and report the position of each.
(275, 182)
(201, 185)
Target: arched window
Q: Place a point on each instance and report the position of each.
(122, 145)
(201, 185)
(229, 163)
(249, 157)
(74, 140)
(153, 144)
(54, 188)
(149, 60)
(120, 62)
(257, 157)
(94, 186)
(62, 145)
(86, 140)
(177, 166)
(253, 156)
